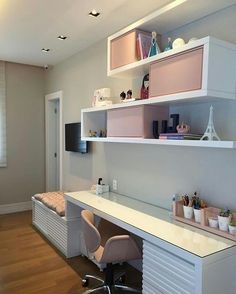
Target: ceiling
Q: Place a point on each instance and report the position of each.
(27, 26)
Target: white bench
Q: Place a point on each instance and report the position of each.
(64, 233)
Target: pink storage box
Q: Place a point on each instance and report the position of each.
(134, 121)
(123, 50)
(179, 73)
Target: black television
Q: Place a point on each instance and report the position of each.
(73, 140)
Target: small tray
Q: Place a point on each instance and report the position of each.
(178, 215)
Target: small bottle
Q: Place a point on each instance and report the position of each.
(174, 199)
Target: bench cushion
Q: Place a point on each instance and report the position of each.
(53, 200)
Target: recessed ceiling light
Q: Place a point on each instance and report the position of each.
(94, 13)
(61, 37)
(45, 50)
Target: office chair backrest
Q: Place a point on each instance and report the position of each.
(91, 234)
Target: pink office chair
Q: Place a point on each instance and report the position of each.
(116, 249)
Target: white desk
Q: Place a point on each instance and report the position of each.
(177, 258)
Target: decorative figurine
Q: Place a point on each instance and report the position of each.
(210, 133)
(173, 122)
(154, 49)
(102, 134)
(169, 45)
(129, 94)
(183, 128)
(144, 93)
(92, 133)
(122, 95)
(178, 43)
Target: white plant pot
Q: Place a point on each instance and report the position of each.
(224, 223)
(188, 212)
(197, 215)
(232, 230)
(213, 222)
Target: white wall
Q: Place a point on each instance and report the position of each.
(150, 173)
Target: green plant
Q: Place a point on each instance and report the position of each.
(225, 212)
(233, 223)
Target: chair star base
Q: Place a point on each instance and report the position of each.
(108, 284)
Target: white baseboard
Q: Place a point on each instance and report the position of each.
(15, 207)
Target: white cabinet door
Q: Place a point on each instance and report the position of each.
(164, 272)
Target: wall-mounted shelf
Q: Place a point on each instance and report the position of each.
(186, 143)
(218, 58)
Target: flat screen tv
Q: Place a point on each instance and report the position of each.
(73, 140)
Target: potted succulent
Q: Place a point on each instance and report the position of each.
(224, 219)
(198, 204)
(232, 227)
(187, 207)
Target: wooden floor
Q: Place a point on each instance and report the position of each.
(30, 264)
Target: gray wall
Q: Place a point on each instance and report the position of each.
(150, 173)
(25, 171)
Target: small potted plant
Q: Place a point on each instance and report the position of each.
(232, 227)
(224, 219)
(198, 204)
(187, 207)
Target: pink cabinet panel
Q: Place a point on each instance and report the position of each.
(179, 73)
(123, 50)
(134, 121)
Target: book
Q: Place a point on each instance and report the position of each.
(177, 136)
(143, 44)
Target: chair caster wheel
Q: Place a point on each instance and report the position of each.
(85, 282)
(122, 279)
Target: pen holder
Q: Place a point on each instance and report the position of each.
(100, 189)
(188, 212)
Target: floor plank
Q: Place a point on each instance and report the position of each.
(30, 264)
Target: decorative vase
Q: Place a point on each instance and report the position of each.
(197, 215)
(224, 222)
(213, 222)
(188, 212)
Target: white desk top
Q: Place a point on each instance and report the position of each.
(152, 220)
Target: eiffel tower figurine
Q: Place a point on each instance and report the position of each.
(210, 133)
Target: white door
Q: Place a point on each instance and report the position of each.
(53, 124)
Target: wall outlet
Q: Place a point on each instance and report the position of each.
(114, 185)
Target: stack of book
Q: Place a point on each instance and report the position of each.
(178, 136)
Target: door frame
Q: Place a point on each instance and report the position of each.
(48, 98)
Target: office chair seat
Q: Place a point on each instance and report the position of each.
(118, 248)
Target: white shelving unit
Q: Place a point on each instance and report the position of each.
(217, 78)
(186, 143)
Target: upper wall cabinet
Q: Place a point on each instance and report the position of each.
(200, 69)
